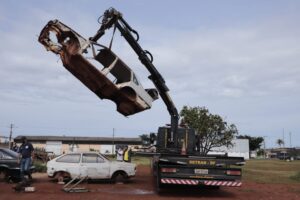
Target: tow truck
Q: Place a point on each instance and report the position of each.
(176, 160)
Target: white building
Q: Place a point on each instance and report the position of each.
(240, 148)
(64, 144)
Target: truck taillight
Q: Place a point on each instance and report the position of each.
(168, 170)
(233, 172)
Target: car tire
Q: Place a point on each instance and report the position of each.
(61, 176)
(129, 92)
(119, 178)
(4, 175)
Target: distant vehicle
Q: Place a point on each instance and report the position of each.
(91, 164)
(9, 165)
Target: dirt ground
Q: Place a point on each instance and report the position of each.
(141, 187)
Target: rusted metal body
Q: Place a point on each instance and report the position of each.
(126, 92)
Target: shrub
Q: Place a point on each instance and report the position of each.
(40, 167)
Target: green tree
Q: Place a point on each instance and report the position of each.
(254, 142)
(145, 139)
(211, 130)
(280, 142)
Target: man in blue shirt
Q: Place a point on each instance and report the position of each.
(26, 152)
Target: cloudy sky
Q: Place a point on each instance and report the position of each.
(240, 59)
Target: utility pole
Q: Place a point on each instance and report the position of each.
(264, 146)
(290, 139)
(283, 137)
(10, 135)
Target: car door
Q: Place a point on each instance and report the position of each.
(69, 163)
(96, 166)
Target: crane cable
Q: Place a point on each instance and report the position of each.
(112, 37)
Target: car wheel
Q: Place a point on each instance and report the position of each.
(129, 92)
(4, 175)
(119, 177)
(61, 176)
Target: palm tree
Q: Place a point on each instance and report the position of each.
(280, 142)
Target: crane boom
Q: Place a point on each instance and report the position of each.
(111, 18)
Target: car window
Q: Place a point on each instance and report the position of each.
(134, 79)
(92, 158)
(70, 158)
(5, 156)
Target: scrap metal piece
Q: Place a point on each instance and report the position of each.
(127, 92)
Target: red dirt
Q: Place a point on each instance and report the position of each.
(141, 187)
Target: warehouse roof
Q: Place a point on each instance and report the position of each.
(81, 140)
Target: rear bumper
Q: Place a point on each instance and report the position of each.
(177, 181)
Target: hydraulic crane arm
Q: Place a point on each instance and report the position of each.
(111, 18)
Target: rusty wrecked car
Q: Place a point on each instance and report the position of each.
(115, 81)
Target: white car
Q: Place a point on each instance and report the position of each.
(91, 165)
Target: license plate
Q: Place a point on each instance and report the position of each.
(201, 171)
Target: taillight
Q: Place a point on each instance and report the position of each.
(233, 172)
(168, 170)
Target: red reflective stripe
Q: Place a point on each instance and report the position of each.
(221, 183)
(179, 181)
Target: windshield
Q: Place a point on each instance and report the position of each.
(105, 157)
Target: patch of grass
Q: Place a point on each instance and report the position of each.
(272, 171)
(296, 177)
(138, 160)
(247, 190)
(141, 160)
